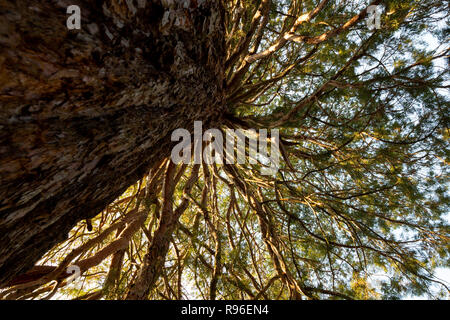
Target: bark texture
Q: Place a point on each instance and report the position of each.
(155, 257)
(85, 113)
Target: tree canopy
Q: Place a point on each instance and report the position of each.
(359, 207)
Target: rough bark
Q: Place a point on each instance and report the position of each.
(154, 259)
(85, 113)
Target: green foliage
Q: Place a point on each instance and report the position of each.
(360, 206)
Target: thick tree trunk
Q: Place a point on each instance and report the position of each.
(85, 113)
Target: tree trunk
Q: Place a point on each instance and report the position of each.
(85, 113)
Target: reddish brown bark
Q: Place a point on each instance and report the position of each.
(154, 259)
(84, 114)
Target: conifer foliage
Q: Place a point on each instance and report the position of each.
(357, 210)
